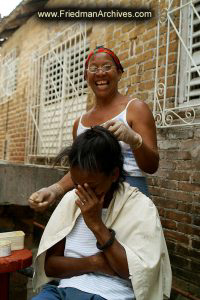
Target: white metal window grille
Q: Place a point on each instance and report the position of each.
(58, 92)
(177, 81)
(8, 75)
(193, 87)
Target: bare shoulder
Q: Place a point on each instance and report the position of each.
(139, 105)
(75, 127)
(138, 110)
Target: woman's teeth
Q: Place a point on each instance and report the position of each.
(102, 82)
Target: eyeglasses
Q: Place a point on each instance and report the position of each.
(105, 68)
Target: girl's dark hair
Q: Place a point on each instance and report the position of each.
(96, 149)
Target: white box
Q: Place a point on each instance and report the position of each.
(15, 237)
(5, 248)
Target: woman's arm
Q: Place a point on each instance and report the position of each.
(141, 120)
(56, 265)
(42, 199)
(141, 135)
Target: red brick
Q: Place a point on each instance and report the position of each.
(149, 35)
(190, 276)
(185, 207)
(180, 261)
(143, 86)
(127, 27)
(184, 218)
(188, 229)
(196, 244)
(188, 165)
(196, 220)
(171, 246)
(194, 253)
(156, 191)
(117, 33)
(161, 211)
(168, 184)
(163, 202)
(188, 187)
(173, 155)
(182, 250)
(175, 175)
(195, 178)
(178, 195)
(169, 224)
(195, 266)
(149, 65)
(196, 208)
(171, 80)
(176, 236)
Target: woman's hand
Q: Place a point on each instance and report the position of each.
(45, 197)
(124, 133)
(90, 206)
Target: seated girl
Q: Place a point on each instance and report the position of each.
(104, 240)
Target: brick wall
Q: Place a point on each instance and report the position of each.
(13, 113)
(135, 45)
(175, 188)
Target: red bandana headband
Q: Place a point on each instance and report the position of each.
(105, 50)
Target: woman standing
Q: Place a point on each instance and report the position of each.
(129, 119)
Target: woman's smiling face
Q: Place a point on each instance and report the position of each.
(103, 83)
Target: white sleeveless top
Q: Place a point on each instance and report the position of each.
(81, 242)
(130, 165)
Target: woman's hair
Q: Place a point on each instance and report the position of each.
(100, 49)
(95, 150)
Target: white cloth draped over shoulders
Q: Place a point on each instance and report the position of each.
(135, 219)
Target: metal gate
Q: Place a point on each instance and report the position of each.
(57, 92)
(177, 80)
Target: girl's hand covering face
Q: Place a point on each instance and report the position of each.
(90, 205)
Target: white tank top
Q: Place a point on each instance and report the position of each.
(130, 165)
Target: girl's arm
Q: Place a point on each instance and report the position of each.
(91, 206)
(56, 265)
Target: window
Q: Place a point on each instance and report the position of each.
(58, 94)
(8, 76)
(189, 85)
(177, 80)
(193, 88)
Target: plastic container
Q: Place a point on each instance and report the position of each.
(15, 237)
(5, 248)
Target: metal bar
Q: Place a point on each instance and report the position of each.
(36, 126)
(156, 72)
(45, 107)
(166, 66)
(183, 44)
(190, 49)
(62, 104)
(178, 125)
(180, 7)
(178, 62)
